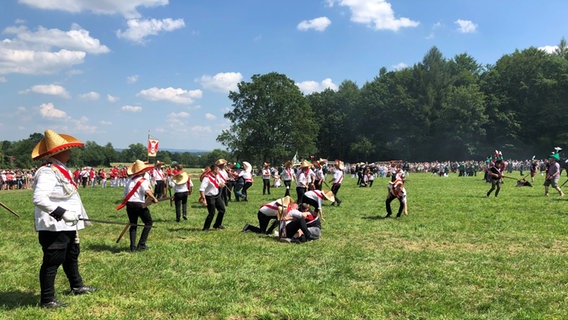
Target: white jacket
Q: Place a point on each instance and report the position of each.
(51, 190)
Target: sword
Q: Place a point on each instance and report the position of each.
(10, 210)
(114, 222)
(563, 184)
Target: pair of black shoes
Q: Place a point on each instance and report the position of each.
(74, 291)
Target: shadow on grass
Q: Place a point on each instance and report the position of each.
(17, 299)
(110, 248)
(375, 218)
(185, 229)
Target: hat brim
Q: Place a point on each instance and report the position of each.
(181, 178)
(131, 170)
(329, 195)
(40, 151)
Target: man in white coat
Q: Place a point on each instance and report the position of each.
(58, 209)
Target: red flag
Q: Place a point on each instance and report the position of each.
(153, 147)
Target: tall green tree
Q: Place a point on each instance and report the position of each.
(271, 120)
(333, 112)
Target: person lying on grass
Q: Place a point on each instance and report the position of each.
(301, 224)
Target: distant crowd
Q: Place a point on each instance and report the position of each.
(12, 179)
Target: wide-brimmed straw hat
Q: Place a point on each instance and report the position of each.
(328, 195)
(138, 167)
(266, 164)
(220, 162)
(305, 164)
(247, 166)
(340, 164)
(181, 178)
(284, 203)
(54, 143)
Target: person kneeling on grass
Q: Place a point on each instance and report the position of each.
(301, 225)
(267, 212)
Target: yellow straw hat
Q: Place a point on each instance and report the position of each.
(54, 143)
(328, 195)
(305, 164)
(220, 162)
(181, 178)
(138, 167)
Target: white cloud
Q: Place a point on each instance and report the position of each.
(400, 66)
(37, 62)
(126, 8)
(75, 39)
(132, 79)
(105, 123)
(176, 119)
(201, 129)
(466, 26)
(46, 50)
(48, 89)
(130, 108)
(223, 82)
(210, 116)
(90, 96)
(308, 87)
(140, 29)
(112, 98)
(318, 24)
(549, 49)
(48, 110)
(377, 14)
(175, 95)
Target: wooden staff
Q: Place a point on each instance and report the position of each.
(10, 210)
(123, 232)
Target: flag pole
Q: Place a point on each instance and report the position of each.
(147, 142)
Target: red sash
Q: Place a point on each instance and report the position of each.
(270, 206)
(65, 173)
(319, 194)
(213, 180)
(129, 195)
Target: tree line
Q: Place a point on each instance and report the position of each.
(438, 109)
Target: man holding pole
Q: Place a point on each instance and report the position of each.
(58, 209)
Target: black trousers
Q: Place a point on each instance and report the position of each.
(59, 248)
(300, 192)
(335, 189)
(299, 224)
(247, 185)
(180, 200)
(135, 211)
(390, 198)
(287, 184)
(214, 203)
(159, 189)
(265, 186)
(263, 221)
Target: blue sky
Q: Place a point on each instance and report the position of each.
(112, 71)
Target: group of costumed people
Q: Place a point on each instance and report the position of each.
(496, 167)
(60, 214)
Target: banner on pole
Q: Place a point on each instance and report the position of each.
(153, 147)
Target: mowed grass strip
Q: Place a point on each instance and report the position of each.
(457, 255)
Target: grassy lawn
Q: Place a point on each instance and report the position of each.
(458, 255)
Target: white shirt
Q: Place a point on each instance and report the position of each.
(209, 185)
(140, 194)
(51, 190)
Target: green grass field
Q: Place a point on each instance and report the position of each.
(457, 255)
